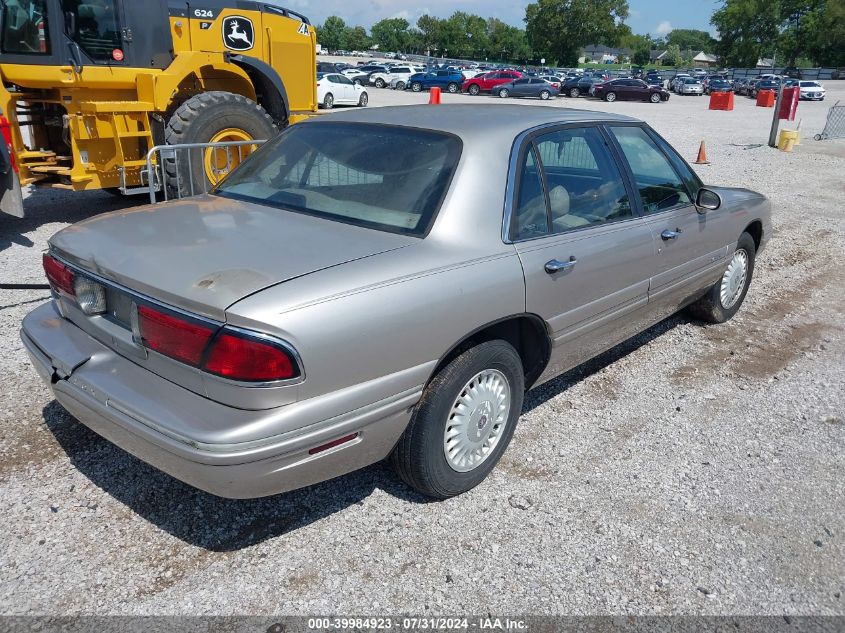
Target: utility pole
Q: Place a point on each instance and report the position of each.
(773, 135)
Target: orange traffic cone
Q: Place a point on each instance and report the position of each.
(434, 97)
(702, 155)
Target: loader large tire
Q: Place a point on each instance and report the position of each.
(210, 117)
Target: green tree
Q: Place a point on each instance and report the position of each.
(559, 29)
(431, 32)
(506, 42)
(391, 34)
(673, 55)
(332, 33)
(642, 55)
(356, 38)
(823, 34)
(691, 40)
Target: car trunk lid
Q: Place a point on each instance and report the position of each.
(204, 254)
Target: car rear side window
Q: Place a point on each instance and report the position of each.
(660, 187)
(383, 177)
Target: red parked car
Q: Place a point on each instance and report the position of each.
(488, 81)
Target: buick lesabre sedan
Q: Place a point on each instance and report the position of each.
(381, 283)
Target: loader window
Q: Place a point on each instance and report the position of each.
(24, 24)
(95, 26)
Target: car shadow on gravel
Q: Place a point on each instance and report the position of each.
(202, 519)
(223, 525)
(44, 206)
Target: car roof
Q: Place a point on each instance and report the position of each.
(469, 120)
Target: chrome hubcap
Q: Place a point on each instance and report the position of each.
(733, 281)
(477, 420)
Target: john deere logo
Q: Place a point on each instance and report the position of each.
(238, 33)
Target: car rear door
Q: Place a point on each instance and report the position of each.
(587, 257)
(690, 252)
(521, 88)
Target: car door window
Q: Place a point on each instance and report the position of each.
(584, 182)
(659, 186)
(531, 218)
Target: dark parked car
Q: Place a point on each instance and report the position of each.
(719, 85)
(451, 80)
(527, 87)
(330, 67)
(577, 86)
(630, 90)
(765, 84)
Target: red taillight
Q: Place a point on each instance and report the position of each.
(332, 444)
(248, 359)
(174, 336)
(59, 275)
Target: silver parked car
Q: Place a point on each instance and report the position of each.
(690, 86)
(378, 283)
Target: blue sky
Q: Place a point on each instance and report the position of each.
(646, 16)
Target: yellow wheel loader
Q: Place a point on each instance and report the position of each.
(89, 87)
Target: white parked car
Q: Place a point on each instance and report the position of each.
(336, 89)
(811, 90)
(690, 86)
(382, 80)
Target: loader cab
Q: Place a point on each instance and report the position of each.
(79, 33)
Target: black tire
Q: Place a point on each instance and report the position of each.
(574, 92)
(504, 93)
(453, 88)
(400, 85)
(545, 94)
(419, 458)
(610, 97)
(474, 90)
(363, 100)
(328, 101)
(380, 83)
(655, 98)
(197, 121)
(416, 86)
(709, 308)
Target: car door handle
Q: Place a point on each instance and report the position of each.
(555, 265)
(670, 235)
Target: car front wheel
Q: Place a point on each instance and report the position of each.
(416, 86)
(379, 83)
(474, 90)
(655, 98)
(363, 100)
(725, 297)
(463, 423)
(574, 92)
(400, 85)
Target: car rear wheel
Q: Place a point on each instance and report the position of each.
(363, 100)
(725, 297)
(545, 94)
(463, 423)
(328, 101)
(474, 90)
(416, 86)
(503, 93)
(655, 98)
(610, 96)
(453, 88)
(400, 85)
(380, 83)
(574, 92)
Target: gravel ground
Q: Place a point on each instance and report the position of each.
(692, 470)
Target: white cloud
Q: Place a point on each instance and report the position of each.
(663, 28)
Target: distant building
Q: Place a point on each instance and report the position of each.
(704, 60)
(601, 54)
(765, 63)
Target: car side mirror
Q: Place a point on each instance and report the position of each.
(707, 200)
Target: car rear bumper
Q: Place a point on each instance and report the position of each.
(135, 409)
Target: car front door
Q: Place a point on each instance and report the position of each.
(346, 88)
(586, 255)
(691, 246)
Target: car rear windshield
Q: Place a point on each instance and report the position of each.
(383, 177)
